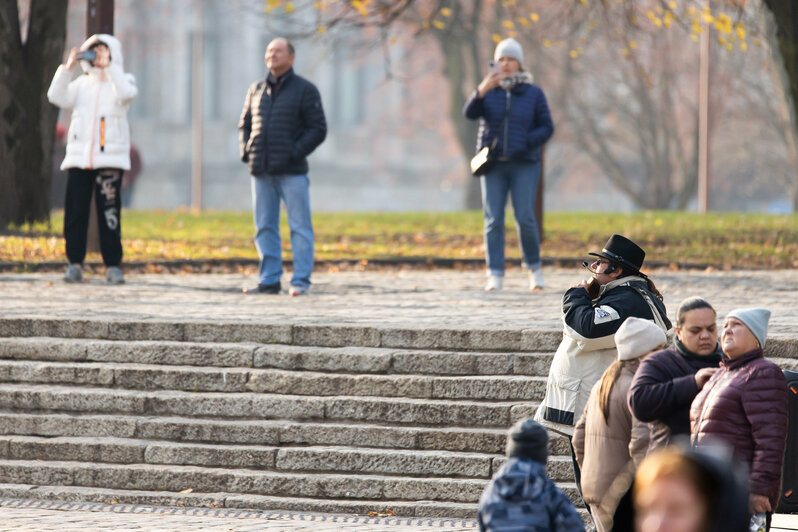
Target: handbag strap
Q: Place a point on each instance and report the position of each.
(504, 119)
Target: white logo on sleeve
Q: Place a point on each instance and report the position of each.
(604, 314)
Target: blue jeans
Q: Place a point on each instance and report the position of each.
(267, 191)
(520, 179)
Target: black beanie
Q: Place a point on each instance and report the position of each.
(528, 439)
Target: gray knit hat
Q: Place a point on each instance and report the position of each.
(509, 48)
(528, 439)
(756, 319)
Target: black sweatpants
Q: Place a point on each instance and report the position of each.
(107, 185)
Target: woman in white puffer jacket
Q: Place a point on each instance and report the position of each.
(98, 148)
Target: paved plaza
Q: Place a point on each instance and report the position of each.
(394, 297)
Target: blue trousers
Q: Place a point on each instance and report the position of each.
(520, 180)
(294, 191)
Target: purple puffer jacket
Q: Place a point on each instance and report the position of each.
(745, 405)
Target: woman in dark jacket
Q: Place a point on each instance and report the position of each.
(745, 405)
(667, 382)
(513, 113)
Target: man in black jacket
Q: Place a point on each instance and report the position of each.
(281, 124)
(667, 381)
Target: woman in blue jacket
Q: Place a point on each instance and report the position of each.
(513, 112)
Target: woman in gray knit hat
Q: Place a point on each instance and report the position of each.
(745, 405)
(514, 122)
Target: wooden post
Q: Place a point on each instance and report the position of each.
(99, 19)
(703, 122)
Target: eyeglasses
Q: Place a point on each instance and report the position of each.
(599, 262)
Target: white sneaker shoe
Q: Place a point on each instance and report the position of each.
(494, 284)
(114, 275)
(536, 280)
(298, 290)
(73, 274)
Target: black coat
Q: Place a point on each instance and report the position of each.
(663, 390)
(280, 127)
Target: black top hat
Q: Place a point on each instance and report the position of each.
(623, 252)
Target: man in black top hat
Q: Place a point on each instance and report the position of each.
(593, 310)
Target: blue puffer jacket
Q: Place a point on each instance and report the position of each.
(528, 124)
(521, 498)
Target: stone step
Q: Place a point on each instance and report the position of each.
(426, 509)
(493, 339)
(325, 459)
(37, 397)
(266, 432)
(360, 360)
(240, 481)
(202, 379)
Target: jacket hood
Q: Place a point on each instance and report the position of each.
(113, 45)
(520, 479)
(730, 504)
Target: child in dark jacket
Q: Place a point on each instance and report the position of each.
(520, 497)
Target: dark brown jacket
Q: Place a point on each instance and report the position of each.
(745, 405)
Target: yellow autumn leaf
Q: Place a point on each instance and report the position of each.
(446, 12)
(743, 47)
(534, 17)
(321, 30)
(508, 24)
(438, 24)
(496, 38)
(289, 7)
(632, 44)
(547, 43)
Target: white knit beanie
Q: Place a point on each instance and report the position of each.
(637, 337)
(756, 319)
(509, 48)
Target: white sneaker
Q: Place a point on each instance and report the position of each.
(494, 284)
(298, 290)
(536, 280)
(114, 275)
(73, 274)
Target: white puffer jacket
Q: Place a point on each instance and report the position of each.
(99, 134)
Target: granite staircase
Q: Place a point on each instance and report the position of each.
(243, 415)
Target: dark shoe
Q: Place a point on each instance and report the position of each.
(264, 289)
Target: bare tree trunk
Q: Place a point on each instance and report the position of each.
(460, 50)
(785, 15)
(27, 126)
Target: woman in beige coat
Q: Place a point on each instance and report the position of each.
(607, 437)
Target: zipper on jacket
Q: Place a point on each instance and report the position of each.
(93, 123)
(102, 133)
(506, 123)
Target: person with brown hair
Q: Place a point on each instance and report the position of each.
(681, 490)
(607, 437)
(667, 381)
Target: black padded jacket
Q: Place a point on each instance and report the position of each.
(280, 125)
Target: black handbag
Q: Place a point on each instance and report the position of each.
(483, 161)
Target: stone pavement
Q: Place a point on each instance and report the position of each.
(46, 516)
(50, 516)
(411, 298)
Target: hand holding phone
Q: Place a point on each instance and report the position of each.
(88, 55)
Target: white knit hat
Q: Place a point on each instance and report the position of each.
(756, 319)
(509, 48)
(637, 337)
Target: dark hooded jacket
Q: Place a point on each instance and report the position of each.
(728, 509)
(664, 388)
(521, 498)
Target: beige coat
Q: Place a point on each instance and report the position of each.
(603, 451)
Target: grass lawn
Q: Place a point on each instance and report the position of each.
(729, 239)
